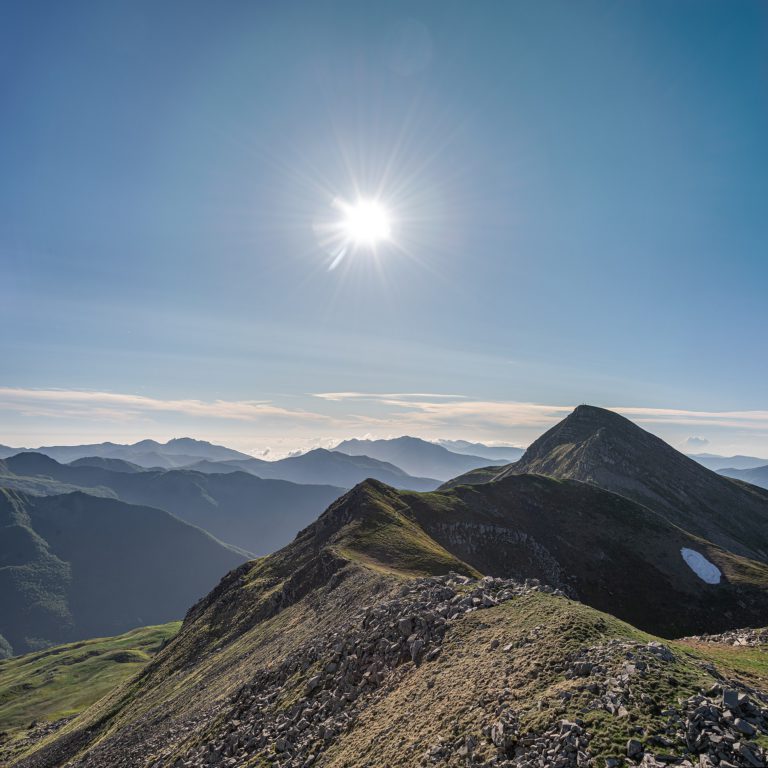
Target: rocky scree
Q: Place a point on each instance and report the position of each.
(293, 714)
(289, 716)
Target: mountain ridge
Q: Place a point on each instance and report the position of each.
(601, 447)
(333, 630)
(62, 578)
(330, 467)
(239, 508)
(147, 453)
(416, 456)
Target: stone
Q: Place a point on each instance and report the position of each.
(730, 699)
(634, 749)
(742, 726)
(749, 754)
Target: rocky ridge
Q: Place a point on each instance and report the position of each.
(334, 678)
(290, 716)
(737, 637)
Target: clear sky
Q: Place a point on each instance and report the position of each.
(579, 203)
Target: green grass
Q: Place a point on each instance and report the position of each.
(386, 540)
(738, 661)
(64, 680)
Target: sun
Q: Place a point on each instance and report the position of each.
(365, 223)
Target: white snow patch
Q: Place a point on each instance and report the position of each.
(699, 564)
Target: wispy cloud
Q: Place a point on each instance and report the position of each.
(380, 397)
(256, 424)
(459, 410)
(101, 405)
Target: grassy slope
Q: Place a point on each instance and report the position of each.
(62, 578)
(65, 680)
(459, 693)
(269, 607)
(387, 539)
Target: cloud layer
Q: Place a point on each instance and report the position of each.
(88, 404)
(325, 417)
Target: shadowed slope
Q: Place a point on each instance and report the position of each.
(77, 566)
(238, 508)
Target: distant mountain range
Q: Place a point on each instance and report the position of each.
(417, 457)
(716, 463)
(505, 452)
(146, 453)
(322, 466)
(238, 508)
(76, 566)
(756, 475)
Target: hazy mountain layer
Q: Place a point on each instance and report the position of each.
(322, 466)
(493, 452)
(146, 453)
(238, 508)
(756, 476)
(78, 566)
(416, 457)
(716, 463)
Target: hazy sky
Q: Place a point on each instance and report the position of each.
(579, 195)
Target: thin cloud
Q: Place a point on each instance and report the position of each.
(445, 410)
(69, 402)
(382, 397)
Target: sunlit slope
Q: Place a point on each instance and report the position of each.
(39, 689)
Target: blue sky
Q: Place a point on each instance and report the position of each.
(579, 194)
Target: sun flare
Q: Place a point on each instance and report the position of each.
(365, 222)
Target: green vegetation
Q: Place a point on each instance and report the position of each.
(748, 662)
(64, 680)
(237, 508)
(384, 538)
(62, 577)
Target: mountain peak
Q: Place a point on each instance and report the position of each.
(592, 418)
(601, 447)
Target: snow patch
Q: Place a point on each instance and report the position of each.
(699, 564)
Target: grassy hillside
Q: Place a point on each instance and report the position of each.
(325, 652)
(77, 566)
(43, 687)
(607, 550)
(527, 664)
